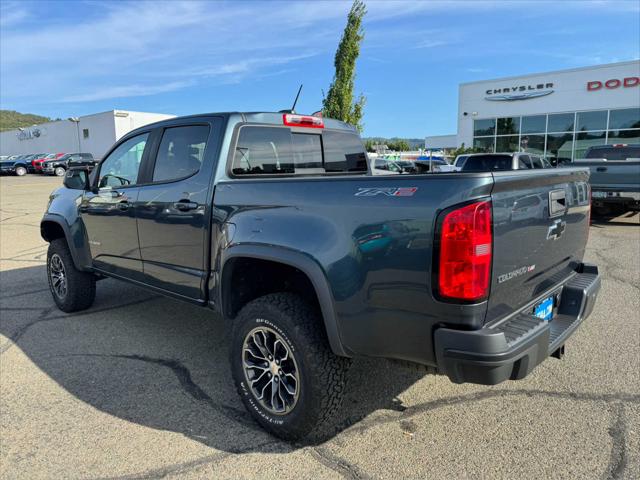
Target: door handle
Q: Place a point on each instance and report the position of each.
(601, 169)
(124, 205)
(185, 206)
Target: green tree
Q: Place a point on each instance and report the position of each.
(10, 119)
(462, 150)
(339, 102)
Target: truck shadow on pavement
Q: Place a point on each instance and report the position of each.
(615, 217)
(160, 363)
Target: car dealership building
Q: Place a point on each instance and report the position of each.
(93, 134)
(559, 114)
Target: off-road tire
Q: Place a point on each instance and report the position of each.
(21, 171)
(81, 286)
(322, 373)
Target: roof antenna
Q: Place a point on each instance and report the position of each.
(294, 102)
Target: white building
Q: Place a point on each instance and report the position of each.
(93, 134)
(559, 114)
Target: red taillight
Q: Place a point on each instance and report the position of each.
(293, 120)
(465, 253)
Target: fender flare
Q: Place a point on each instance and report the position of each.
(76, 255)
(309, 267)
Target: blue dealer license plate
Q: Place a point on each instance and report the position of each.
(544, 309)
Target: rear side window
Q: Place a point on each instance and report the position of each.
(181, 152)
(460, 161)
(537, 163)
(487, 163)
(279, 151)
(524, 162)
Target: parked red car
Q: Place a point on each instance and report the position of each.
(37, 163)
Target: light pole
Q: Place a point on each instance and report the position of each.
(76, 120)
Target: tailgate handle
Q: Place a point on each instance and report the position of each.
(557, 202)
(601, 169)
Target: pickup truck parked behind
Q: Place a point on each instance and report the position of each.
(18, 165)
(615, 176)
(58, 166)
(492, 162)
(273, 221)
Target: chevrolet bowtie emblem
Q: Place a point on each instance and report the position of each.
(556, 230)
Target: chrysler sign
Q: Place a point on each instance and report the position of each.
(518, 92)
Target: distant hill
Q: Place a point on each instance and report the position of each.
(10, 119)
(415, 143)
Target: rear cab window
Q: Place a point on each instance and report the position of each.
(487, 163)
(266, 150)
(614, 153)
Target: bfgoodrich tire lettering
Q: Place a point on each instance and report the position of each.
(321, 374)
(72, 290)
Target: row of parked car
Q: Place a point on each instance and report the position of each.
(47, 163)
(615, 170)
(477, 162)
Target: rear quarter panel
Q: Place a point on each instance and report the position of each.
(374, 249)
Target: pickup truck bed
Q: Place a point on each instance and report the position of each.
(280, 228)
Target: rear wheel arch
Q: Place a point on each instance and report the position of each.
(311, 283)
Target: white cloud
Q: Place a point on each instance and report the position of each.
(128, 49)
(124, 91)
(12, 14)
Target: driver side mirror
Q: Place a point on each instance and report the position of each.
(77, 178)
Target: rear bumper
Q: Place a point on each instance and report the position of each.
(614, 196)
(513, 347)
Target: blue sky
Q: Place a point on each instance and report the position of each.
(72, 58)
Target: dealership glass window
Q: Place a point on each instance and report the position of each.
(509, 144)
(596, 120)
(484, 127)
(484, 144)
(584, 140)
(560, 122)
(625, 118)
(508, 125)
(559, 147)
(623, 136)
(534, 124)
(532, 143)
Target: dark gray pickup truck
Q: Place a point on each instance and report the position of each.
(615, 176)
(273, 221)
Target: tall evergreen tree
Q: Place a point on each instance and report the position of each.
(339, 102)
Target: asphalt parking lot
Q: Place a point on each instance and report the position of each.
(138, 387)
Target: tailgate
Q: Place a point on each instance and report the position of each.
(540, 228)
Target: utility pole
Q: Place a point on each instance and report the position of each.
(76, 120)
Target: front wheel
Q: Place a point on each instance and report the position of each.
(21, 171)
(59, 171)
(72, 289)
(285, 372)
